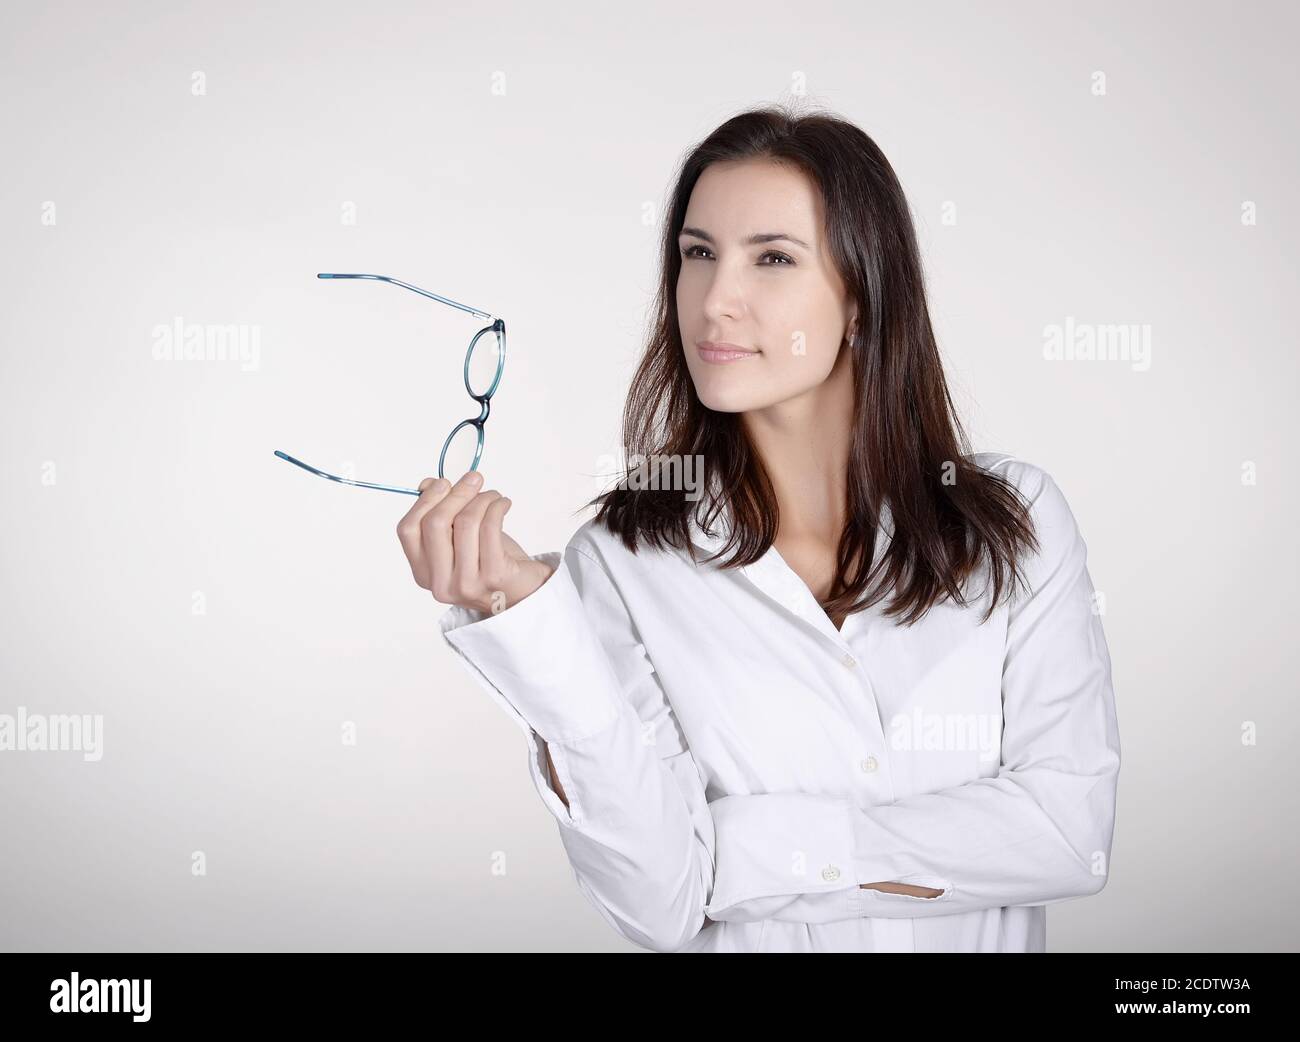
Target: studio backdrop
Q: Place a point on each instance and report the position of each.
(280, 751)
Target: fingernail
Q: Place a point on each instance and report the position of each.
(475, 478)
(424, 484)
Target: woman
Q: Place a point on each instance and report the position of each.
(758, 752)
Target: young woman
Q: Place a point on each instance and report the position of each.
(885, 722)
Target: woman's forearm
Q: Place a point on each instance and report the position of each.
(889, 888)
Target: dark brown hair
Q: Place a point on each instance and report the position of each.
(906, 435)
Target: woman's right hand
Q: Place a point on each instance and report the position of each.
(457, 550)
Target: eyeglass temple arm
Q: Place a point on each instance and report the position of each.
(346, 481)
(414, 289)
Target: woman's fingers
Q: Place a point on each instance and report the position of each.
(458, 550)
(432, 492)
(466, 579)
(454, 542)
(492, 553)
(436, 535)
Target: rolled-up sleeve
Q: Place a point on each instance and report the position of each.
(1037, 833)
(566, 665)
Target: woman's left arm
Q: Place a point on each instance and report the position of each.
(1037, 833)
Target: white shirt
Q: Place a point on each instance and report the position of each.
(728, 753)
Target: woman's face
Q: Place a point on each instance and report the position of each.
(781, 298)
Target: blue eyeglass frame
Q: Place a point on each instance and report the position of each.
(498, 327)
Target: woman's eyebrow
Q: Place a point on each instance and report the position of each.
(754, 240)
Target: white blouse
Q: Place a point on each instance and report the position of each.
(736, 766)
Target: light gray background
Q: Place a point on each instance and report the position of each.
(222, 730)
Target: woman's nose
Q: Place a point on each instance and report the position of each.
(725, 296)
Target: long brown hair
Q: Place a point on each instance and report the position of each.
(908, 447)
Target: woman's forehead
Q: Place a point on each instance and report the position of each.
(737, 200)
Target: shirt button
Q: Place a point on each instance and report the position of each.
(849, 662)
(869, 764)
(830, 873)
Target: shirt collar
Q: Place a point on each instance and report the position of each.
(774, 577)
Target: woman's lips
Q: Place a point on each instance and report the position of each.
(721, 354)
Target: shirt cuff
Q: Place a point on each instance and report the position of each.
(783, 846)
(879, 858)
(539, 659)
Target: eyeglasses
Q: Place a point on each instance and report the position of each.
(478, 388)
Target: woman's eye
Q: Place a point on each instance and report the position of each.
(689, 252)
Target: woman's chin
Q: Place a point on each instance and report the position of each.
(729, 399)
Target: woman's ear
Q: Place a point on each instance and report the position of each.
(852, 334)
